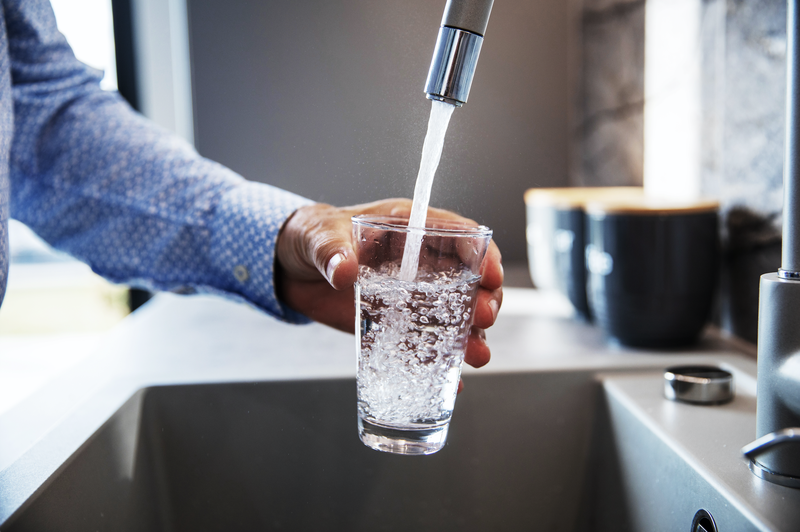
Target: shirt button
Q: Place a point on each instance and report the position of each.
(241, 273)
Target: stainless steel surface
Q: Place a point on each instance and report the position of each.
(779, 297)
(786, 274)
(778, 370)
(775, 478)
(453, 65)
(470, 15)
(790, 255)
(766, 443)
(702, 385)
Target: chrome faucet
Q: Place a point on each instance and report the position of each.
(457, 49)
(775, 455)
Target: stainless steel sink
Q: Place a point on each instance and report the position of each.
(545, 450)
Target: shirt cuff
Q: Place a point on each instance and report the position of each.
(244, 231)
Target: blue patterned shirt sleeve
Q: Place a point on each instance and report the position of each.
(135, 202)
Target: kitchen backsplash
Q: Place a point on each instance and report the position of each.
(743, 87)
(609, 136)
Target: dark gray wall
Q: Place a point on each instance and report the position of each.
(325, 99)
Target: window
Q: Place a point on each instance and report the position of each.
(49, 292)
(55, 307)
(89, 28)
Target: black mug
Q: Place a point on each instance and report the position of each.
(556, 238)
(652, 270)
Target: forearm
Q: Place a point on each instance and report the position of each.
(139, 205)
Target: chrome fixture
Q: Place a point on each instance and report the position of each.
(699, 385)
(772, 441)
(775, 455)
(457, 49)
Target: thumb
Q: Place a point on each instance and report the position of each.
(338, 264)
(316, 240)
(330, 250)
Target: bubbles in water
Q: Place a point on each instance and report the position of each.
(410, 362)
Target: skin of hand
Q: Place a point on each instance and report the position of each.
(316, 268)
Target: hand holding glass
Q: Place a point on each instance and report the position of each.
(411, 335)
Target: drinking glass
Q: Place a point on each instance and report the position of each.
(411, 334)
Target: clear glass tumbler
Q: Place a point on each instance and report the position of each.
(411, 335)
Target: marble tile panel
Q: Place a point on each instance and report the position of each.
(610, 133)
(612, 57)
(743, 87)
(754, 106)
(750, 170)
(612, 149)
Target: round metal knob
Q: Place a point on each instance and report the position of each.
(700, 385)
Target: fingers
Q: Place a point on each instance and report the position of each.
(295, 239)
(487, 307)
(443, 214)
(320, 302)
(330, 249)
(402, 207)
(315, 246)
(317, 241)
(492, 268)
(342, 270)
(477, 353)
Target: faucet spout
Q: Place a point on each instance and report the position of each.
(775, 455)
(778, 408)
(458, 46)
(790, 252)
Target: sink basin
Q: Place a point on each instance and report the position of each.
(549, 450)
(286, 455)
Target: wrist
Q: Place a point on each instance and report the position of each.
(245, 228)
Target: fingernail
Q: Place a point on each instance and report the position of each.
(332, 264)
(494, 306)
